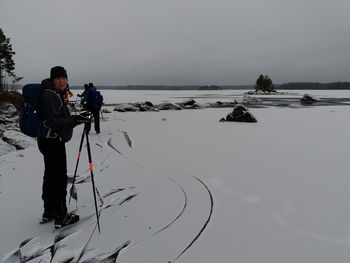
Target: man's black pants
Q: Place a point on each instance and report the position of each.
(96, 115)
(54, 189)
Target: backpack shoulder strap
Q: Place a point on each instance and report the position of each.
(49, 133)
(61, 103)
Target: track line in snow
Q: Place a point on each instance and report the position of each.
(172, 221)
(206, 222)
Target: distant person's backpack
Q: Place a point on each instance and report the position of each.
(28, 114)
(95, 99)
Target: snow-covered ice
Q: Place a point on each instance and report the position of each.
(180, 186)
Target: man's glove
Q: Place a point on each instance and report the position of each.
(79, 119)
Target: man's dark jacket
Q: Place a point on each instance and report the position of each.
(54, 113)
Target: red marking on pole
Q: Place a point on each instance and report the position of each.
(91, 167)
(78, 155)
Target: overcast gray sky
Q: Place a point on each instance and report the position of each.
(180, 42)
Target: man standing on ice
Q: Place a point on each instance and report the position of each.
(92, 101)
(56, 128)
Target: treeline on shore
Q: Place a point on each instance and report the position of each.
(284, 86)
(314, 85)
(170, 87)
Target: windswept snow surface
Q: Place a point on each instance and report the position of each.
(179, 186)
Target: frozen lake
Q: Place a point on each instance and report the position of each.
(179, 186)
(155, 96)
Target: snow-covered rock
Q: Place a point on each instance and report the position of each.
(169, 106)
(5, 148)
(17, 139)
(240, 113)
(8, 114)
(104, 110)
(11, 138)
(309, 99)
(189, 102)
(125, 108)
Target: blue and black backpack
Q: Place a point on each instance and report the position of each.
(95, 99)
(28, 114)
(29, 122)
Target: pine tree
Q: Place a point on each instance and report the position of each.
(7, 64)
(264, 83)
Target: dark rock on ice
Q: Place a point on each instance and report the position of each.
(146, 106)
(241, 114)
(169, 106)
(138, 106)
(125, 108)
(194, 106)
(189, 102)
(149, 104)
(106, 111)
(308, 99)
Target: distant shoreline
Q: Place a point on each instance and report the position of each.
(285, 86)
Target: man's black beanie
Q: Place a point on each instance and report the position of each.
(58, 72)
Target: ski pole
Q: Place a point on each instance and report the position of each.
(92, 178)
(76, 165)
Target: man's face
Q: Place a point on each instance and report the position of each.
(60, 83)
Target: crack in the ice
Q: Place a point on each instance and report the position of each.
(105, 159)
(18, 257)
(127, 199)
(112, 258)
(102, 169)
(127, 138)
(109, 143)
(113, 191)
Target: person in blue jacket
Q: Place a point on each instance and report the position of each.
(92, 101)
(83, 94)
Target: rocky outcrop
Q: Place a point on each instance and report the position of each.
(308, 99)
(11, 97)
(240, 114)
(104, 110)
(11, 138)
(8, 115)
(125, 108)
(188, 104)
(17, 139)
(146, 106)
(169, 106)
